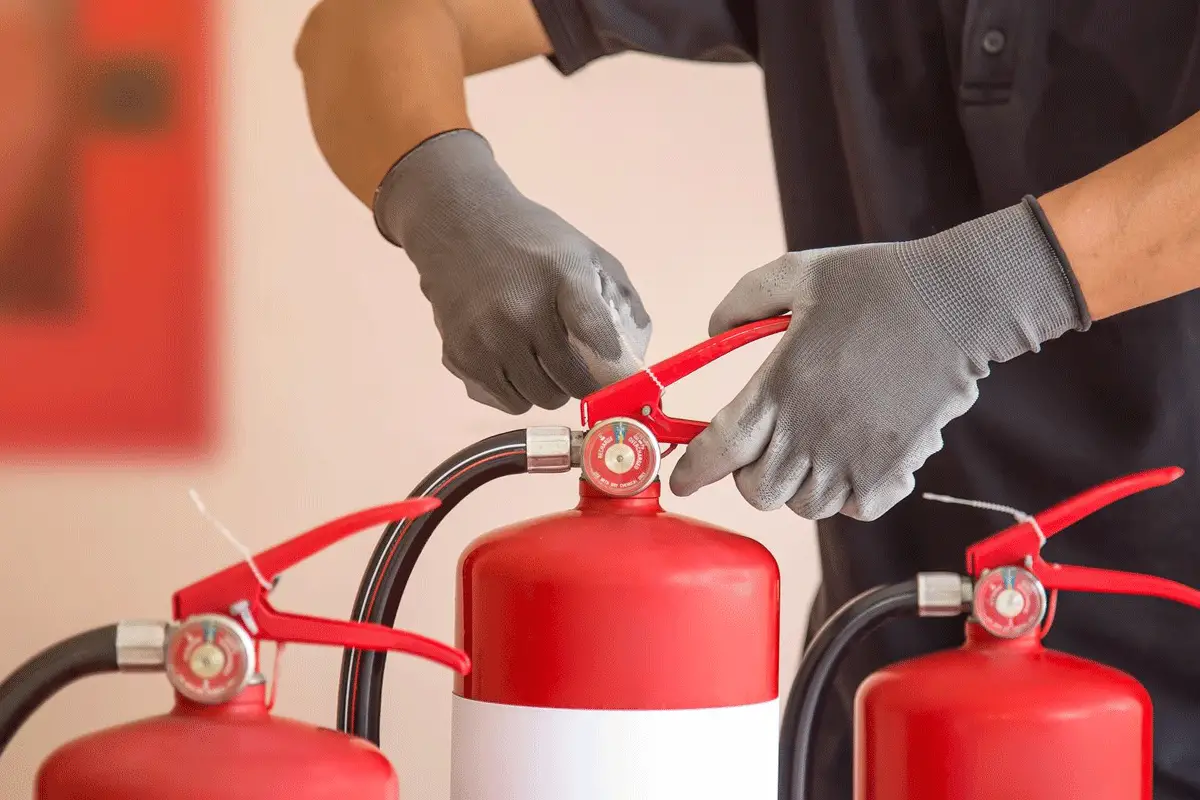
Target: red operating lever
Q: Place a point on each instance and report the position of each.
(237, 584)
(1021, 544)
(640, 396)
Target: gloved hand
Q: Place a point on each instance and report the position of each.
(531, 311)
(886, 346)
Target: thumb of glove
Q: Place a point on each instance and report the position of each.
(761, 293)
(772, 289)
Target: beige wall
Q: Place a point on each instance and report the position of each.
(334, 395)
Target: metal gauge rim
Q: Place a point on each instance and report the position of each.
(642, 478)
(1030, 590)
(226, 690)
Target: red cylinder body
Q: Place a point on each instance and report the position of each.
(617, 650)
(236, 751)
(1000, 719)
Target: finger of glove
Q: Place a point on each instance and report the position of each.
(775, 477)
(761, 293)
(823, 494)
(568, 371)
(736, 437)
(531, 380)
(491, 388)
(618, 291)
(601, 329)
(870, 506)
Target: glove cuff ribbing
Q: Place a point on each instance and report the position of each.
(1085, 315)
(1000, 285)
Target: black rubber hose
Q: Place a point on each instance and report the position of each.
(811, 687)
(41, 677)
(360, 693)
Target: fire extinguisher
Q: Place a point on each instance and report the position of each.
(219, 741)
(1002, 716)
(618, 650)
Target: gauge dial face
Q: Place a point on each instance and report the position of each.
(620, 457)
(209, 659)
(1009, 602)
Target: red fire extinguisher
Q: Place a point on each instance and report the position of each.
(618, 650)
(219, 742)
(1001, 716)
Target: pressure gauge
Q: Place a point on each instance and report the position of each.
(620, 457)
(1009, 602)
(210, 659)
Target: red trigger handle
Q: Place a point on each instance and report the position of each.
(640, 396)
(236, 591)
(1021, 544)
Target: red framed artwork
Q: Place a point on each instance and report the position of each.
(106, 238)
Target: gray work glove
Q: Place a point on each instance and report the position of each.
(886, 346)
(531, 311)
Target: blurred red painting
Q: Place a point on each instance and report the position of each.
(105, 226)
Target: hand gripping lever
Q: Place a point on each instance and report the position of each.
(625, 422)
(204, 610)
(1019, 548)
(640, 395)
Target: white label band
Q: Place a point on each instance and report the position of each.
(502, 752)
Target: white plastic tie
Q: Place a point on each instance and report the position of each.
(233, 540)
(641, 365)
(1015, 513)
(633, 352)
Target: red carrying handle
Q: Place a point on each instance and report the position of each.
(1021, 544)
(238, 584)
(640, 396)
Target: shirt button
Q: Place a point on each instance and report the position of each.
(993, 42)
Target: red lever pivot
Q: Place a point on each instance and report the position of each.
(238, 585)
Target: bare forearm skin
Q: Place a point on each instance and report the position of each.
(381, 76)
(1131, 230)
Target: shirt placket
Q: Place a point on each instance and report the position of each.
(993, 37)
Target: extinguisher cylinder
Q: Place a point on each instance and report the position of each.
(236, 750)
(618, 651)
(998, 719)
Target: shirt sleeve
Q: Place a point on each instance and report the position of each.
(583, 31)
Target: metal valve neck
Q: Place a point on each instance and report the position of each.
(644, 502)
(978, 637)
(249, 702)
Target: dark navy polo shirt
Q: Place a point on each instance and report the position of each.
(893, 120)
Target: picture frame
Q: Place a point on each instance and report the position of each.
(106, 307)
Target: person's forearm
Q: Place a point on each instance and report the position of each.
(379, 79)
(1131, 230)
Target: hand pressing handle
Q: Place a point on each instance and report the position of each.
(640, 396)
